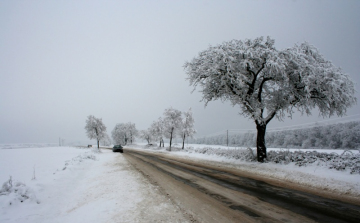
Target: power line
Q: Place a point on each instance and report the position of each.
(314, 124)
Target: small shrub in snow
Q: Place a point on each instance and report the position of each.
(7, 185)
(16, 192)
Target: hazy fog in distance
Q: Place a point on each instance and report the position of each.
(122, 61)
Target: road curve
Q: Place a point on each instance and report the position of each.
(211, 194)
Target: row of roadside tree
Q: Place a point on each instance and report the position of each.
(174, 123)
(265, 82)
(121, 134)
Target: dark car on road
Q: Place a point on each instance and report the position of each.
(118, 148)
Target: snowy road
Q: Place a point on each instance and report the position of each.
(216, 194)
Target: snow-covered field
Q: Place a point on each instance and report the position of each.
(315, 174)
(68, 184)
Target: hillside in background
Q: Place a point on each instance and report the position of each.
(336, 136)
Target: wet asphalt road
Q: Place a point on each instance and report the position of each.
(313, 207)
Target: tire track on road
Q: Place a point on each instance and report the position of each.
(268, 202)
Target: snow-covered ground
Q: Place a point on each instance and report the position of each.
(311, 175)
(68, 184)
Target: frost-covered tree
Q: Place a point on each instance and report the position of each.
(146, 134)
(124, 133)
(106, 141)
(132, 131)
(352, 137)
(157, 130)
(119, 134)
(172, 123)
(95, 128)
(187, 126)
(267, 83)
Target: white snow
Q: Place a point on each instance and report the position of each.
(68, 184)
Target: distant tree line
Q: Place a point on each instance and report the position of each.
(336, 136)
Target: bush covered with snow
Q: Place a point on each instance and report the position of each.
(16, 192)
(240, 154)
(347, 161)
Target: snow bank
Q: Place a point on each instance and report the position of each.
(67, 184)
(31, 175)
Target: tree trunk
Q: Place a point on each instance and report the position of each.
(97, 135)
(260, 142)
(170, 139)
(183, 141)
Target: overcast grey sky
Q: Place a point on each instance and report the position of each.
(122, 61)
